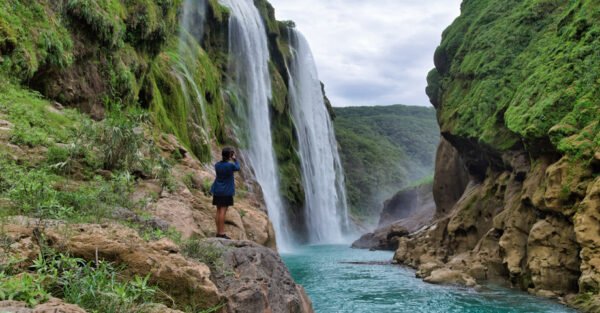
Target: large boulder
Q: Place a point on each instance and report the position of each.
(414, 204)
(255, 279)
(408, 211)
(383, 238)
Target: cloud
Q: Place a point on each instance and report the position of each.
(372, 52)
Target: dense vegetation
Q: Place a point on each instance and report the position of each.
(89, 93)
(516, 73)
(384, 148)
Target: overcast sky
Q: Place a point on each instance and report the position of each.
(372, 52)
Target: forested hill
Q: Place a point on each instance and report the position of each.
(384, 148)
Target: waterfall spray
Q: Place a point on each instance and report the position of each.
(323, 179)
(250, 70)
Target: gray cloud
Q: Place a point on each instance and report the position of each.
(372, 52)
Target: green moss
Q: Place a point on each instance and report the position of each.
(34, 124)
(519, 71)
(183, 91)
(32, 36)
(104, 19)
(220, 12)
(279, 89)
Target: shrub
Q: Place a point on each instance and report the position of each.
(26, 287)
(97, 287)
(118, 139)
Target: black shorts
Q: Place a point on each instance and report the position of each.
(222, 201)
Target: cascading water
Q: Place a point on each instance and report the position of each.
(323, 179)
(186, 59)
(250, 69)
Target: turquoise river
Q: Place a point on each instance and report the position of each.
(343, 280)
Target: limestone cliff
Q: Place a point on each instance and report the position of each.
(516, 92)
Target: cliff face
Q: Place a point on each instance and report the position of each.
(152, 80)
(93, 55)
(516, 93)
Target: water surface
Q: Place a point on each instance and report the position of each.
(335, 286)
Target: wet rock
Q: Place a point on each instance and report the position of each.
(255, 279)
(446, 276)
(385, 238)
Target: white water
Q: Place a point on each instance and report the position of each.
(250, 69)
(323, 179)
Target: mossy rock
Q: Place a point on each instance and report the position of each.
(510, 73)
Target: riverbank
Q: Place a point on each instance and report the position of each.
(340, 279)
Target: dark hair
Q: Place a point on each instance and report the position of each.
(226, 153)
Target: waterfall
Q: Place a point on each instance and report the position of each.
(323, 179)
(193, 17)
(249, 68)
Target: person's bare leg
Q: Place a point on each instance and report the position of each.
(220, 220)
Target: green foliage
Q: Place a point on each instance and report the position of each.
(204, 252)
(206, 185)
(95, 287)
(511, 72)
(183, 95)
(32, 37)
(34, 123)
(119, 139)
(41, 193)
(100, 18)
(384, 148)
(27, 288)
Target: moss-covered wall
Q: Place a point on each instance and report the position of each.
(516, 88)
(512, 73)
(88, 54)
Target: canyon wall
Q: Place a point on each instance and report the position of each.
(516, 89)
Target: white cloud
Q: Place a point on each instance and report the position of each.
(372, 52)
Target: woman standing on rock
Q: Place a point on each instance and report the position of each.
(223, 189)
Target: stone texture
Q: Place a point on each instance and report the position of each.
(408, 211)
(519, 225)
(256, 280)
(414, 204)
(186, 281)
(384, 238)
(188, 208)
(53, 305)
(450, 178)
(450, 277)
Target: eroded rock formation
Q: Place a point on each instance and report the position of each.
(528, 135)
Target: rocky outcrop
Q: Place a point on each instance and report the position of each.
(256, 280)
(383, 238)
(187, 207)
(249, 277)
(409, 202)
(53, 305)
(529, 213)
(186, 281)
(450, 177)
(408, 211)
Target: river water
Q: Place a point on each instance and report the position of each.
(336, 285)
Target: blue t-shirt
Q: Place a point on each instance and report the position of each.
(224, 185)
